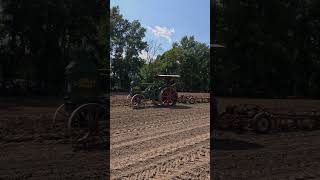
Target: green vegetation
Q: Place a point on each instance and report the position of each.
(36, 38)
(272, 48)
(188, 58)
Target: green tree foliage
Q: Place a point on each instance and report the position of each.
(36, 37)
(126, 45)
(188, 58)
(272, 48)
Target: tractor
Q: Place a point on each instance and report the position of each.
(161, 92)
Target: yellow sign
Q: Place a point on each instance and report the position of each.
(87, 83)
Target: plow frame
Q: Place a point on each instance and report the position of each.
(265, 121)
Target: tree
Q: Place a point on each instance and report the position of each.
(41, 33)
(188, 58)
(126, 45)
(153, 49)
(270, 46)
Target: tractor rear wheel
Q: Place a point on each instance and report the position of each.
(88, 120)
(60, 115)
(168, 96)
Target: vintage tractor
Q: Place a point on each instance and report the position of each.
(84, 110)
(161, 92)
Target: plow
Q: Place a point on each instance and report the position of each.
(250, 117)
(189, 99)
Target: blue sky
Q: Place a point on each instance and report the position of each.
(168, 21)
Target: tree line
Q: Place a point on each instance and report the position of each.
(272, 48)
(37, 38)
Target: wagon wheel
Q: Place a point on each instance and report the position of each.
(87, 121)
(192, 100)
(60, 115)
(168, 96)
(137, 101)
(262, 123)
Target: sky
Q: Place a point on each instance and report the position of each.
(167, 21)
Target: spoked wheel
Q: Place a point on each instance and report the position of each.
(137, 101)
(262, 123)
(87, 122)
(60, 116)
(192, 100)
(168, 96)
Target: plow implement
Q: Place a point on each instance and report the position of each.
(189, 99)
(261, 120)
(183, 99)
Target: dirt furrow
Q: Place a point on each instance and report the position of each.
(173, 167)
(154, 136)
(158, 160)
(157, 128)
(117, 163)
(199, 172)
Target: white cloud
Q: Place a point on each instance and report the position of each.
(163, 32)
(147, 56)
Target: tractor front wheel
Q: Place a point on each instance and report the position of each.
(137, 101)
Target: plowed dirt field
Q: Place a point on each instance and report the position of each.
(31, 148)
(153, 143)
(289, 155)
(160, 143)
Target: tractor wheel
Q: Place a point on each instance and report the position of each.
(136, 101)
(168, 96)
(262, 123)
(60, 116)
(87, 121)
(129, 97)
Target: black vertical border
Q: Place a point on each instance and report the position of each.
(212, 84)
(108, 49)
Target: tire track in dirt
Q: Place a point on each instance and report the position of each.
(199, 172)
(157, 129)
(143, 122)
(171, 166)
(148, 137)
(154, 125)
(143, 117)
(117, 163)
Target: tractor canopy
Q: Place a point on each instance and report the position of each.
(168, 79)
(217, 46)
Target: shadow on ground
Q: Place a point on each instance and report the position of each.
(164, 107)
(231, 144)
(105, 146)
